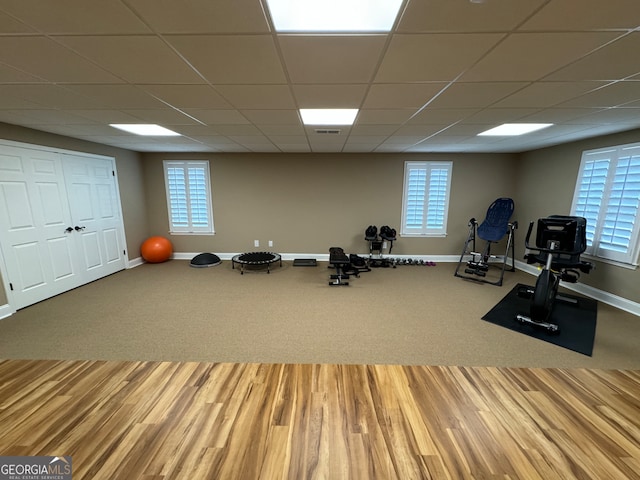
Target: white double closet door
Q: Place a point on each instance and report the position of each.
(60, 221)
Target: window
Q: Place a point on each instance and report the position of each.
(608, 195)
(188, 196)
(425, 201)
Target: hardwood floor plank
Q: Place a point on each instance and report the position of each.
(166, 420)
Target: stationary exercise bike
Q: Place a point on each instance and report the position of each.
(560, 240)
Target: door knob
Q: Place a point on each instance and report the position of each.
(79, 228)
(68, 230)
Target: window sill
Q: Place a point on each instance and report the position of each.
(423, 235)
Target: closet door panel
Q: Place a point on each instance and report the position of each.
(95, 211)
(38, 250)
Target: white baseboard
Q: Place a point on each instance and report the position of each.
(135, 262)
(6, 311)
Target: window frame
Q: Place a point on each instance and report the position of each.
(614, 155)
(189, 228)
(430, 167)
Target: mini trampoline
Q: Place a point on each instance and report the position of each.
(255, 259)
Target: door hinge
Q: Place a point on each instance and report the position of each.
(113, 173)
(11, 286)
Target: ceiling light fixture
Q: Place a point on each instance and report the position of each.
(333, 15)
(328, 116)
(513, 129)
(145, 129)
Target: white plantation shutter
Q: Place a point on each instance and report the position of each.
(608, 196)
(188, 196)
(426, 198)
(590, 192)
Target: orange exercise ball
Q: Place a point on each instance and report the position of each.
(156, 249)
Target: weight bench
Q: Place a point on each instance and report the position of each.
(338, 260)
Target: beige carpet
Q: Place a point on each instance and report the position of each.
(411, 315)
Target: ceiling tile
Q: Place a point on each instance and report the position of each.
(612, 115)
(116, 96)
(432, 57)
(48, 95)
(359, 147)
(546, 94)
(217, 116)
(12, 75)
(42, 57)
(470, 95)
(237, 130)
(9, 24)
(121, 55)
(161, 116)
(76, 16)
(421, 131)
(331, 59)
(373, 130)
(329, 96)
(272, 117)
(187, 96)
(559, 115)
(612, 95)
(288, 139)
(50, 117)
(366, 139)
(202, 16)
(404, 140)
(106, 116)
(257, 96)
(615, 61)
(461, 16)
(444, 116)
(586, 15)
(229, 59)
(413, 95)
(518, 56)
(281, 130)
(497, 116)
(196, 130)
(384, 116)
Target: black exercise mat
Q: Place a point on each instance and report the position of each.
(577, 322)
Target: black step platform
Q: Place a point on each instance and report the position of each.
(305, 262)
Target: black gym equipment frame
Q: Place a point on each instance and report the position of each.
(477, 268)
(338, 260)
(560, 240)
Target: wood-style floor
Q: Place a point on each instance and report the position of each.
(163, 420)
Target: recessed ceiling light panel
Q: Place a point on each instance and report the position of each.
(145, 129)
(333, 15)
(328, 116)
(513, 129)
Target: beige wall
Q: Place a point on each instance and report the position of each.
(545, 186)
(307, 203)
(129, 174)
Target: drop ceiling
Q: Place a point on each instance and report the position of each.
(216, 72)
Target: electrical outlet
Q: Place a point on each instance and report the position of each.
(256, 243)
(271, 243)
